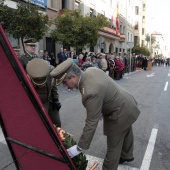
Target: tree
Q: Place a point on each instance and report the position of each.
(74, 29)
(141, 50)
(24, 22)
(147, 39)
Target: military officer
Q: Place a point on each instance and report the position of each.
(39, 73)
(101, 96)
(30, 46)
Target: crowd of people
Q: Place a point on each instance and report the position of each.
(114, 64)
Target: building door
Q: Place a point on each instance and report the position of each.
(50, 45)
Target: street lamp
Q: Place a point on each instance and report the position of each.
(150, 43)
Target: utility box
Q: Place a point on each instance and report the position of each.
(149, 65)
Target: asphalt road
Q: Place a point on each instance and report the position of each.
(151, 130)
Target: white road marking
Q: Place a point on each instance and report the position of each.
(166, 86)
(168, 74)
(150, 75)
(93, 159)
(149, 150)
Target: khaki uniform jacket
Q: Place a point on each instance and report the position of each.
(101, 96)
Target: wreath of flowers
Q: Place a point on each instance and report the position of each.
(80, 160)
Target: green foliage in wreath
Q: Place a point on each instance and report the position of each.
(80, 160)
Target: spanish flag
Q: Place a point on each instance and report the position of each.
(117, 19)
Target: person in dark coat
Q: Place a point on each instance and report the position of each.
(61, 56)
(145, 63)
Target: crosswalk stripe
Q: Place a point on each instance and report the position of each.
(93, 159)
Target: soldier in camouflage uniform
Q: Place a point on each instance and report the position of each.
(30, 45)
(39, 73)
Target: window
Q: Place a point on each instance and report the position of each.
(135, 40)
(144, 7)
(91, 12)
(143, 31)
(136, 10)
(77, 5)
(143, 19)
(136, 25)
(143, 43)
(103, 12)
(124, 30)
(120, 28)
(64, 4)
(116, 50)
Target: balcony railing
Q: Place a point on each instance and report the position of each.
(112, 31)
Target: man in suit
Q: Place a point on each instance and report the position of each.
(30, 46)
(39, 73)
(101, 96)
(62, 56)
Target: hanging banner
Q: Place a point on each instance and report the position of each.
(40, 3)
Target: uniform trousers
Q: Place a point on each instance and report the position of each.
(120, 146)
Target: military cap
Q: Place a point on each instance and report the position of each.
(16, 48)
(38, 70)
(61, 70)
(30, 41)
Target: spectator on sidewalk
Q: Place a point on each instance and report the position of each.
(62, 56)
(40, 54)
(104, 62)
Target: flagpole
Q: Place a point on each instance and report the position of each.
(126, 31)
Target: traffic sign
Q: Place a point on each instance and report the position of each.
(130, 44)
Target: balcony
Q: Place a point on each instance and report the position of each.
(110, 30)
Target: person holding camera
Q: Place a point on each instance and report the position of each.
(39, 73)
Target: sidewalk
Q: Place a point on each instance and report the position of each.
(137, 70)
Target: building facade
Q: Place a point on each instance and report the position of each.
(125, 22)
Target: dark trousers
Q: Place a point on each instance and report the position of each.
(120, 146)
(53, 113)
